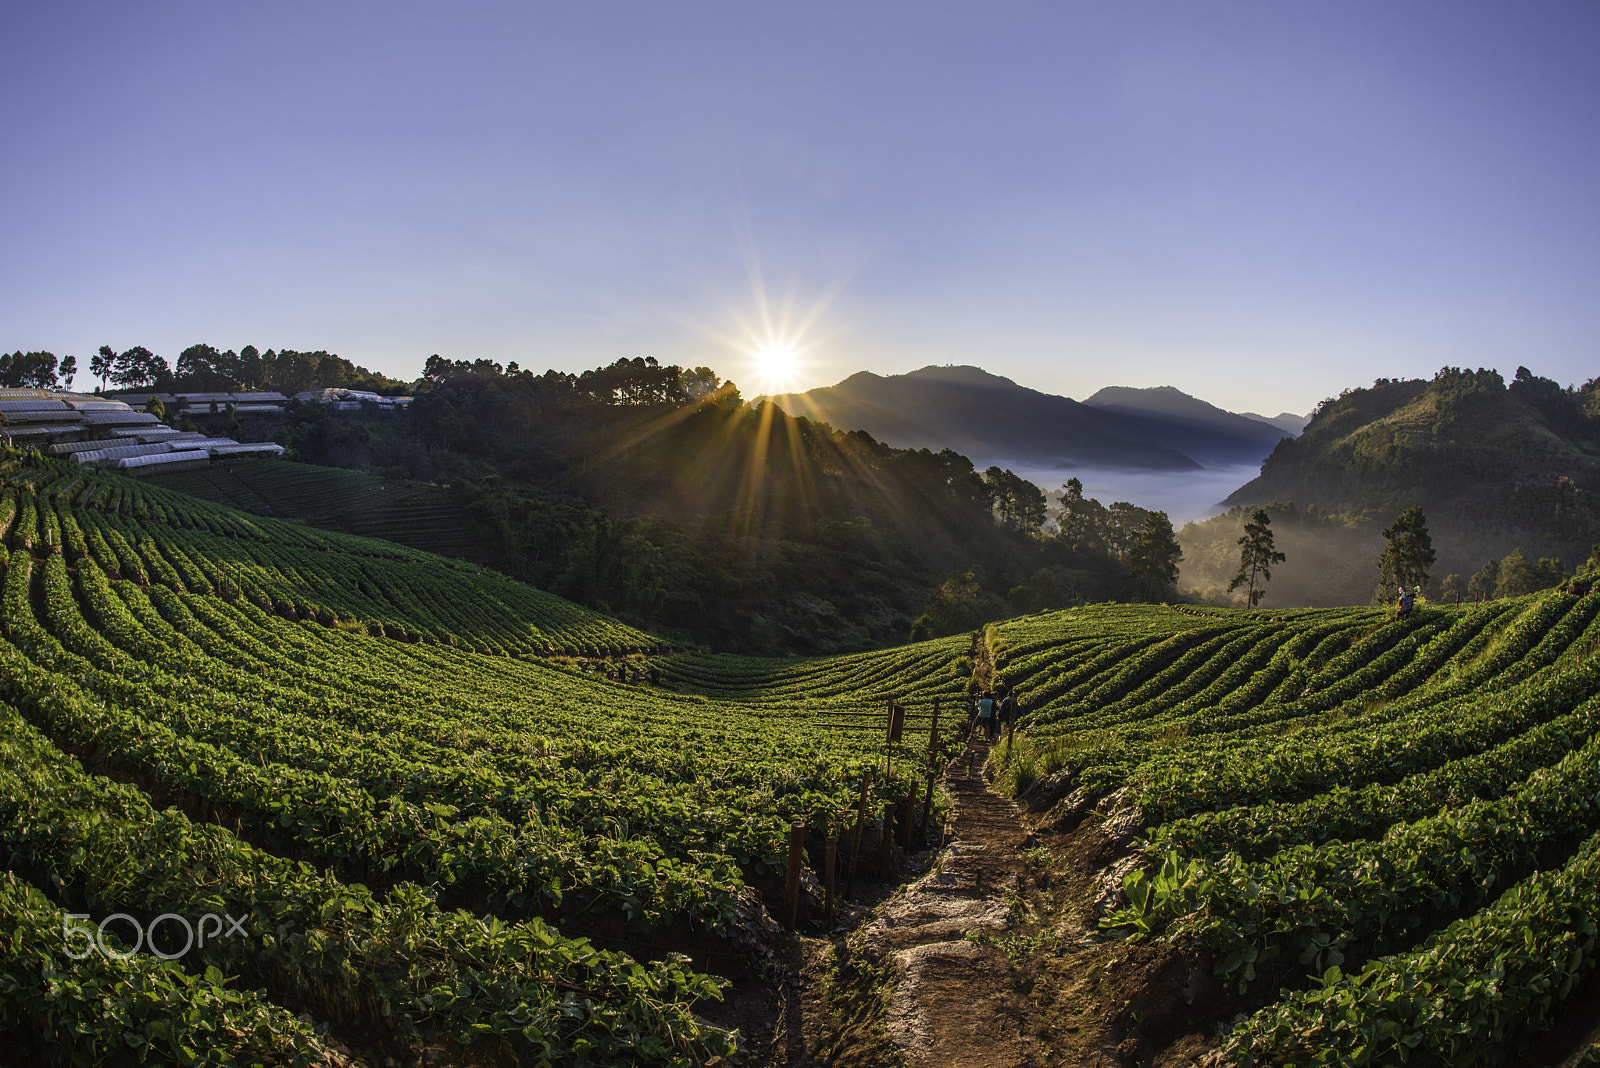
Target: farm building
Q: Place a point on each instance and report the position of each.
(106, 432)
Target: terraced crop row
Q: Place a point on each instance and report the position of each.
(350, 790)
(415, 515)
(1413, 801)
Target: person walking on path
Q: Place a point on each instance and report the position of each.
(986, 714)
(1007, 712)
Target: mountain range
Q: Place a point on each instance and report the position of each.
(987, 416)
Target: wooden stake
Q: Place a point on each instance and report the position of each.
(861, 821)
(927, 806)
(828, 866)
(908, 809)
(791, 893)
(886, 841)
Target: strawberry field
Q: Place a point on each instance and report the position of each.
(1379, 835)
(269, 792)
(403, 779)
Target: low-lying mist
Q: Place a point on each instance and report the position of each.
(1183, 495)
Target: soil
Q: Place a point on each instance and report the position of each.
(991, 959)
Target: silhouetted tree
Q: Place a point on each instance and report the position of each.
(102, 363)
(139, 368)
(1256, 557)
(28, 370)
(1153, 557)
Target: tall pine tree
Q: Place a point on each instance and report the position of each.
(1256, 557)
(1407, 555)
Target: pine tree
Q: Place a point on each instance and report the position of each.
(1153, 557)
(1407, 555)
(1256, 557)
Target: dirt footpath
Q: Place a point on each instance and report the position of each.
(953, 1003)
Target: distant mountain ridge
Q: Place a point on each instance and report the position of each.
(1291, 424)
(984, 415)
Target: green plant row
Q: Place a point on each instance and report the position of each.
(396, 965)
(299, 808)
(1341, 812)
(1321, 905)
(116, 1011)
(1467, 996)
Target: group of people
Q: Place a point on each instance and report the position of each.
(626, 672)
(992, 714)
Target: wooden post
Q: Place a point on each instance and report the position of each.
(886, 841)
(829, 864)
(897, 719)
(791, 892)
(908, 812)
(927, 805)
(933, 733)
(861, 821)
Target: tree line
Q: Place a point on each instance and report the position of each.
(657, 493)
(198, 369)
(1405, 564)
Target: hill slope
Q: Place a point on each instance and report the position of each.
(987, 416)
(341, 743)
(1493, 466)
(1238, 806)
(440, 844)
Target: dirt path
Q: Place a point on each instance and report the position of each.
(953, 1002)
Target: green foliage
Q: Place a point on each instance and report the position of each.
(329, 714)
(1332, 803)
(958, 605)
(1407, 554)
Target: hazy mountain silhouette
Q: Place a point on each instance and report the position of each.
(1288, 422)
(984, 416)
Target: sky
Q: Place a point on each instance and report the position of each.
(1261, 204)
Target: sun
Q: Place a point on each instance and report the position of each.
(776, 368)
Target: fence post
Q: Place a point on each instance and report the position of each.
(908, 810)
(861, 820)
(927, 805)
(791, 894)
(886, 841)
(829, 864)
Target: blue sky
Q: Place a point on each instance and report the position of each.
(1259, 203)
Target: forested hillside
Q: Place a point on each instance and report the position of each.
(656, 493)
(1497, 469)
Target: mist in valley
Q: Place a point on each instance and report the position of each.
(1184, 495)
